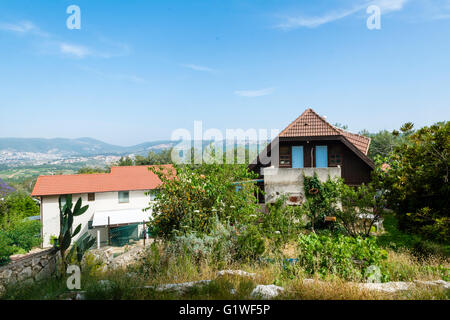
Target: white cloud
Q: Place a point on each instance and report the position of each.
(115, 76)
(386, 6)
(254, 93)
(312, 22)
(197, 67)
(74, 50)
(23, 27)
(390, 5)
(51, 44)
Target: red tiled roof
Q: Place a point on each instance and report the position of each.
(311, 124)
(120, 179)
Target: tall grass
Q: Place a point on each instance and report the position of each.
(159, 266)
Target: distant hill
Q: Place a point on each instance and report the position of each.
(77, 147)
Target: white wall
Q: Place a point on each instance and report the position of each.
(103, 201)
(289, 181)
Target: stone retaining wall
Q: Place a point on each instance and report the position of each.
(33, 267)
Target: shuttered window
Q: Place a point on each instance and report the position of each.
(321, 157)
(297, 157)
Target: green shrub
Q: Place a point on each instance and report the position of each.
(250, 244)
(320, 199)
(416, 175)
(346, 257)
(191, 198)
(25, 234)
(19, 238)
(282, 222)
(6, 248)
(219, 247)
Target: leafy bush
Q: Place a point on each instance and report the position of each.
(416, 176)
(191, 197)
(19, 238)
(17, 205)
(321, 199)
(250, 244)
(219, 247)
(25, 234)
(346, 257)
(363, 201)
(282, 222)
(6, 248)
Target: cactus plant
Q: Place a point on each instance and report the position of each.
(66, 215)
(80, 247)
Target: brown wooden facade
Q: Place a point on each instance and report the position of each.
(356, 167)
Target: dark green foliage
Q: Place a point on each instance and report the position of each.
(346, 257)
(152, 158)
(356, 201)
(20, 237)
(396, 239)
(282, 222)
(16, 206)
(416, 180)
(92, 170)
(250, 244)
(80, 247)
(321, 199)
(17, 233)
(6, 248)
(66, 235)
(191, 198)
(25, 234)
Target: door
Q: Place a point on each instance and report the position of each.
(321, 157)
(297, 157)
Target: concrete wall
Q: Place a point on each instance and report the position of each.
(103, 201)
(33, 267)
(289, 182)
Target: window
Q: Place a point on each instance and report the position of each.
(321, 157)
(285, 157)
(124, 196)
(91, 196)
(335, 160)
(297, 157)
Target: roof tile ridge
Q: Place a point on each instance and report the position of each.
(293, 122)
(369, 140)
(75, 174)
(325, 121)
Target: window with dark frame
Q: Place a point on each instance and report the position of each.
(124, 196)
(285, 156)
(336, 159)
(91, 196)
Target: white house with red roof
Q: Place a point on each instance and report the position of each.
(116, 201)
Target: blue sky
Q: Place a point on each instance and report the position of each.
(137, 70)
